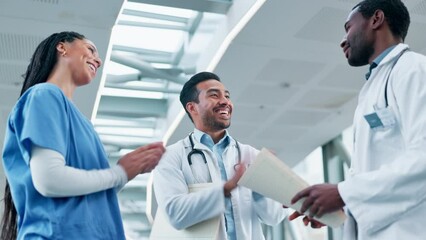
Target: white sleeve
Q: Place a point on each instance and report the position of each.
(183, 208)
(52, 178)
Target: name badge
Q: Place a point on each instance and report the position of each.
(381, 118)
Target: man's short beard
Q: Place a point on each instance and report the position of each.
(214, 125)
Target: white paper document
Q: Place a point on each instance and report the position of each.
(206, 230)
(272, 178)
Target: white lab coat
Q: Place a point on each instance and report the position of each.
(386, 191)
(173, 175)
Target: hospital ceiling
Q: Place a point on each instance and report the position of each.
(289, 81)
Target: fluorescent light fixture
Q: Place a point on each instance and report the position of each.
(126, 141)
(145, 122)
(178, 12)
(150, 20)
(120, 69)
(148, 38)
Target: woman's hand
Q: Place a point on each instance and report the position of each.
(142, 160)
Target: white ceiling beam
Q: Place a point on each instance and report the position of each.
(143, 51)
(153, 25)
(158, 16)
(132, 107)
(124, 143)
(146, 69)
(111, 78)
(143, 88)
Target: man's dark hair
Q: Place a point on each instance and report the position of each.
(395, 11)
(190, 92)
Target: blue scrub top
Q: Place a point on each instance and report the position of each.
(45, 117)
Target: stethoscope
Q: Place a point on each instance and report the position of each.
(388, 76)
(198, 151)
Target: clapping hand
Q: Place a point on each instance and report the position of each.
(142, 160)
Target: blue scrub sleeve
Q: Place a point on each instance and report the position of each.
(42, 119)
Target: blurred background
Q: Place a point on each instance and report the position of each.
(292, 89)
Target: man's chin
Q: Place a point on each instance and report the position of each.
(355, 63)
(223, 126)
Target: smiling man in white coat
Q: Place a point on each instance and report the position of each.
(385, 194)
(210, 155)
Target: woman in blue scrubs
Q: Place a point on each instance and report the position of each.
(57, 171)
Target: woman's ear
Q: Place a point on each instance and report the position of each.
(61, 49)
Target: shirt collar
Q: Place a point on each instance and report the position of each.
(205, 139)
(378, 59)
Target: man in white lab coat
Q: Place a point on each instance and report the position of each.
(211, 155)
(386, 191)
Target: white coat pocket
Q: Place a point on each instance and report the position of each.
(381, 119)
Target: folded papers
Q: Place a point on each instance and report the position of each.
(272, 178)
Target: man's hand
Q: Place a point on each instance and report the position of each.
(233, 182)
(142, 159)
(306, 220)
(320, 199)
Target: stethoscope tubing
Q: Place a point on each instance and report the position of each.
(200, 152)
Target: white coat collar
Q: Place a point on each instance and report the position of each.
(392, 54)
(197, 135)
